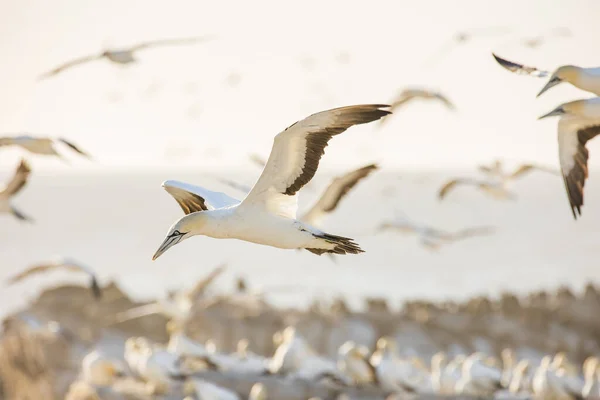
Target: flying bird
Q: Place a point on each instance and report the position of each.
(41, 145)
(14, 186)
(497, 180)
(122, 56)
(579, 122)
(433, 238)
(334, 193)
(411, 94)
(64, 264)
(587, 79)
(177, 305)
(268, 213)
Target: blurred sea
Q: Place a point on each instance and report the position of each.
(115, 221)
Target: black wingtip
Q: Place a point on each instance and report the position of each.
(96, 290)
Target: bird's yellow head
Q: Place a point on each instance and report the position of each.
(188, 226)
(566, 73)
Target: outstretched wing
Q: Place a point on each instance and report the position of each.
(64, 264)
(193, 198)
(526, 168)
(70, 64)
(18, 180)
(74, 148)
(520, 68)
(451, 184)
(296, 153)
(335, 192)
(169, 42)
(200, 288)
(445, 100)
(573, 157)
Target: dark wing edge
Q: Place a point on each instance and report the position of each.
(19, 179)
(317, 140)
(354, 177)
(575, 178)
(74, 148)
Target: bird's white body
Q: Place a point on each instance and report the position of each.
(478, 378)
(153, 364)
(549, 384)
(353, 361)
(256, 225)
(395, 373)
(268, 213)
(100, 370)
(445, 377)
(290, 354)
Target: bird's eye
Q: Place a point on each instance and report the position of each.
(175, 233)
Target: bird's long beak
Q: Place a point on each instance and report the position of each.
(555, 80)
(556, 112)
(169, 242)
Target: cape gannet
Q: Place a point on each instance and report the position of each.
(408, 95)
(395, 374)
(433, 238)
(496, 182)
(13, 187)
(479, 378)
(155, 365)
(41, 145)
(97, 369)
(121, 56)
(258, 392)
(64, 264)
(587, 79)
(353, 360)
(551, 384)
(268, 213)
(579, 122)
(176, 305)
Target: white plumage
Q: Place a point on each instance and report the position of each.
(268, 213)
(579, 122)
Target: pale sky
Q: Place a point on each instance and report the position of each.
(175, 107)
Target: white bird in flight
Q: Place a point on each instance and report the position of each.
(579, 122)
(14, 186)
(268, 213)
(433, 238)
(410, 94)
(56, 264)
(41, 145)
(587, 79)
(497, 180)
(121, 56)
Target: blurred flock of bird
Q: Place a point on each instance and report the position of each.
(267, 215)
